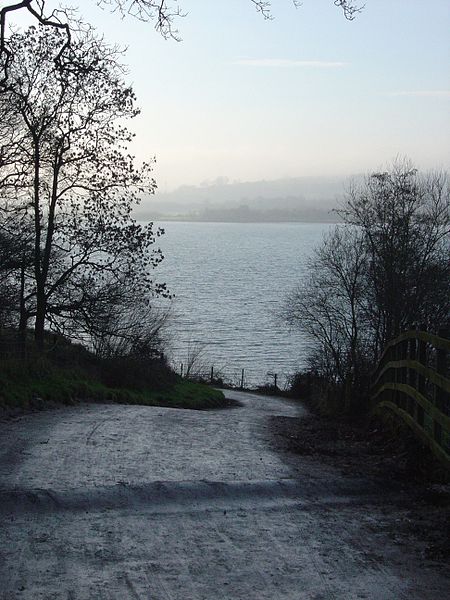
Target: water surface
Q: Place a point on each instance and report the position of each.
(229, 280)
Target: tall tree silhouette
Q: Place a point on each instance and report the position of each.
(67, 175)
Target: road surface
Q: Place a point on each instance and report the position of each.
(129, 502)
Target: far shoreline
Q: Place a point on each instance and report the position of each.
(185, 219)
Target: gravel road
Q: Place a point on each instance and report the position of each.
(128, 502)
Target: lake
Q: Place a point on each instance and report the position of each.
(229, 280)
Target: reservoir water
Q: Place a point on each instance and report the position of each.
(229, 280)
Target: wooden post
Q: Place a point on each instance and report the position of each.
(405, 345)
(212, 374)
(442, 399)
(181, 370)
(410, 373)
(412, 356)
(439, 394)
(388, 375)
(402, 397)
(421, 382)
(275, 380)
(396, 373)
(422, 358)
(415, 376)
(242, 379)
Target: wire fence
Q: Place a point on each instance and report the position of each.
(12, 349)
(237, 378)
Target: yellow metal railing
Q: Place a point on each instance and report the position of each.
(412, 381)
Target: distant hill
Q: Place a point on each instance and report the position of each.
(295, 199)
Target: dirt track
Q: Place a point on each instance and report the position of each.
(123, 502)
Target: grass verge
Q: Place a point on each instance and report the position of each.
(38, 384)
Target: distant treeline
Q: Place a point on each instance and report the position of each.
(247, 214)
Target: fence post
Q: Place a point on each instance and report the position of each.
(242, 379)
(395, 351)
(409, 374)
(412, 375)
(422, 357)
(212, 374)
(442, 399)
(433, 354)
(181, 370)
(386, 377)
(405, 355)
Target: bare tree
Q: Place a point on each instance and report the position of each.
(69, 177)
(16, 257)
(163, 13)
(56, 18)
(195, 365)
(386, 269)
(405, 220)
(130, 340)
(119, 329)
(10, 253)
(330, 304)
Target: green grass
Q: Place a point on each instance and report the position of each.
(184, 394)
(27, 385)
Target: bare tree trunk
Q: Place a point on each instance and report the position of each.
(23, 319)
(40, 320)
(39, 276)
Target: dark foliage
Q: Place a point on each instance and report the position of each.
(69, 185)
(385, 270)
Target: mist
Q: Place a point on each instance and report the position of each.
(299, 199)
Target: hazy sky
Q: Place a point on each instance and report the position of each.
(308, 93)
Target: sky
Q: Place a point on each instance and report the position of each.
(307, 93)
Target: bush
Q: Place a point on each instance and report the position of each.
(136, 373)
